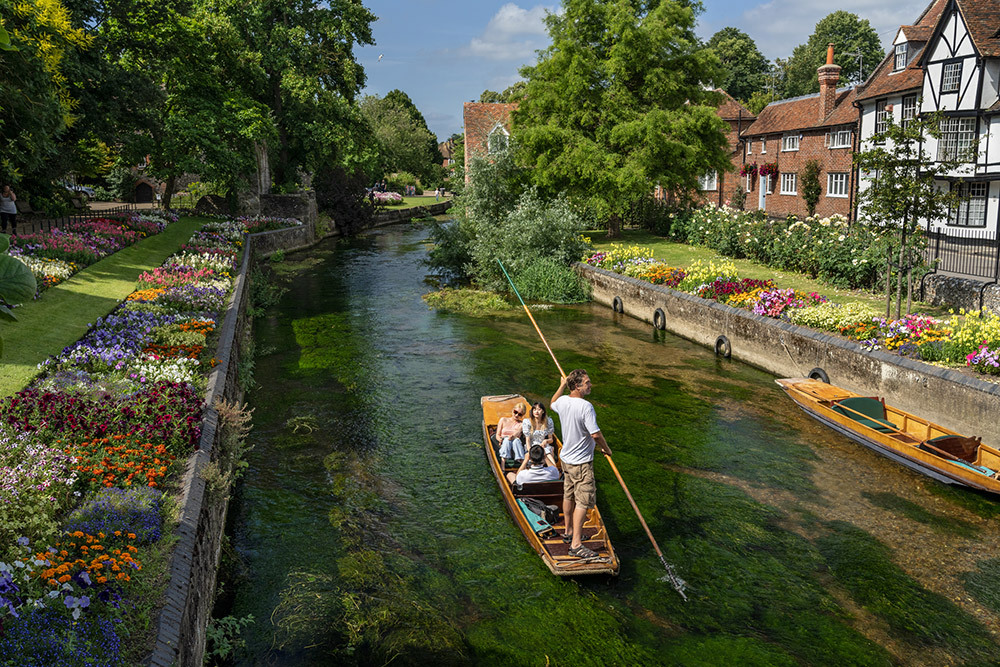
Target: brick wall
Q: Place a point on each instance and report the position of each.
(812, 146)
(480, 119)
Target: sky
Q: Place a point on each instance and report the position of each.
(443, 53)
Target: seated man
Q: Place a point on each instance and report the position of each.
(536, 467)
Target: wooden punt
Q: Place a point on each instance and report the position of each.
(903, 437)
(553, 551)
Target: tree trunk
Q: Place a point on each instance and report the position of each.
(909, 283)
(168, 191)
(899, 282)
(614, 226)
(263, 168)
(888, 283)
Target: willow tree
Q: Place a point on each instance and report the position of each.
(618, 104)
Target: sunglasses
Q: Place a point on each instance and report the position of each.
(518, 414)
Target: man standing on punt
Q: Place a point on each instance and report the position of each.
(580, 435)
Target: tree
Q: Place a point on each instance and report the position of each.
(510, 95)
(402, 101)
(617, 104)
(746, 68)
(903, 189)
(810, 185)
(849, 35)
(402, 139)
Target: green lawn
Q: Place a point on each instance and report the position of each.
(424, 200)
(682, 255)
(64, 313)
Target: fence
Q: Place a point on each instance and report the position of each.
(974, 253)
(31, 225)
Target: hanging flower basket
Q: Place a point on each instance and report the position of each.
(749, 170)
(769, 169)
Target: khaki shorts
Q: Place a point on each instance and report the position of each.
(579, 485)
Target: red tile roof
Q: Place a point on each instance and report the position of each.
(802, 113)
(884, 81)
(480, 119)
(983, 19)
(730, 109)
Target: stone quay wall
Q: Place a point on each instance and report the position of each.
(190, 594)
(938, 289)
(954, 400)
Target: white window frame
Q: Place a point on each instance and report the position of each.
(971, 211)
(909, 109)
(763, 146)
(709, 181)
(749, 148)
(881, 116)
(748, 183)
(951, 77)
(789, 183)
(496, 132)
(957, 135)
(840, 138)
(837, 184)
(790, 142)
(899, 62)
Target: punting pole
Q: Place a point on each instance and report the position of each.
(679, 584)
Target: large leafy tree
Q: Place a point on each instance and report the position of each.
(617, 104)
(403, 140)
(857, 48)
(746, 69)
(426, 140)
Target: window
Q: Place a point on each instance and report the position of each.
(749, 148)
(748, 183)
(789, 184)
(909, 109)
(971, 211)
(836, 184)
(900, 61)
(497, 140)
(951, 77)
(710, 181)
(840, 138)
(763, 145)
(881, 117)
(790, 142)
(957, 135)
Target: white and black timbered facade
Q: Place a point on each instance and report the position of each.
(948, 62)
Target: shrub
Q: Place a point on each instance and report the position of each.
(831, 316)
(548, 280)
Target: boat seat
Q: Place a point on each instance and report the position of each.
(866, 411)
(958, 446)
(536, 489)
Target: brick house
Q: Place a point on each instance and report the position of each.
(487, 128)
(447, 149)
(718, 188)
(789, 133)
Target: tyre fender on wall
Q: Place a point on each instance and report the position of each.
(617, 305)
(723, 348)
(660, 319)
(819, 374)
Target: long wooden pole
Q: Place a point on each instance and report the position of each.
(678, 583)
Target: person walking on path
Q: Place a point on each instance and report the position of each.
(8, 209)
(580, 436)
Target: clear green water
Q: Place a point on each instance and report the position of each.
(368, 529)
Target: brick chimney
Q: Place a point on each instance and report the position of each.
(828, 74)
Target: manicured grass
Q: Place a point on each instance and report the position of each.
(64, 313)
(423, 200)
(683, 255)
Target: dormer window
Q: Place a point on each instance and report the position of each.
(497, 140)
(901, 52)
(951, 77)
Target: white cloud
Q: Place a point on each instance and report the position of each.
(778, 26)
(513, 33)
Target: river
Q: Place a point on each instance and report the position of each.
(368, 529)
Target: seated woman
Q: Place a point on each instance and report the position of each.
(509, 432)
(539, 429)
(538, 467)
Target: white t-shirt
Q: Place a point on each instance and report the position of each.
(540, 474)
(578, 420)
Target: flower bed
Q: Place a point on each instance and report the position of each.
(55, 256)
(85, 451)
(971, 338)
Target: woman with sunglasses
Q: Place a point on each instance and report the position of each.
(509, 433)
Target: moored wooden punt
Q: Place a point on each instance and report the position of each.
(918, 444)
(553, 551)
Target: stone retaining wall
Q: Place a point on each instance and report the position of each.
(941, 290)
(965, 404)
(393, 216)
(190, 594)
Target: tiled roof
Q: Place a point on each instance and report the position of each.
(802, 113)
(884, 81)
(480, 119)
(730, 109)
(983, 20)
